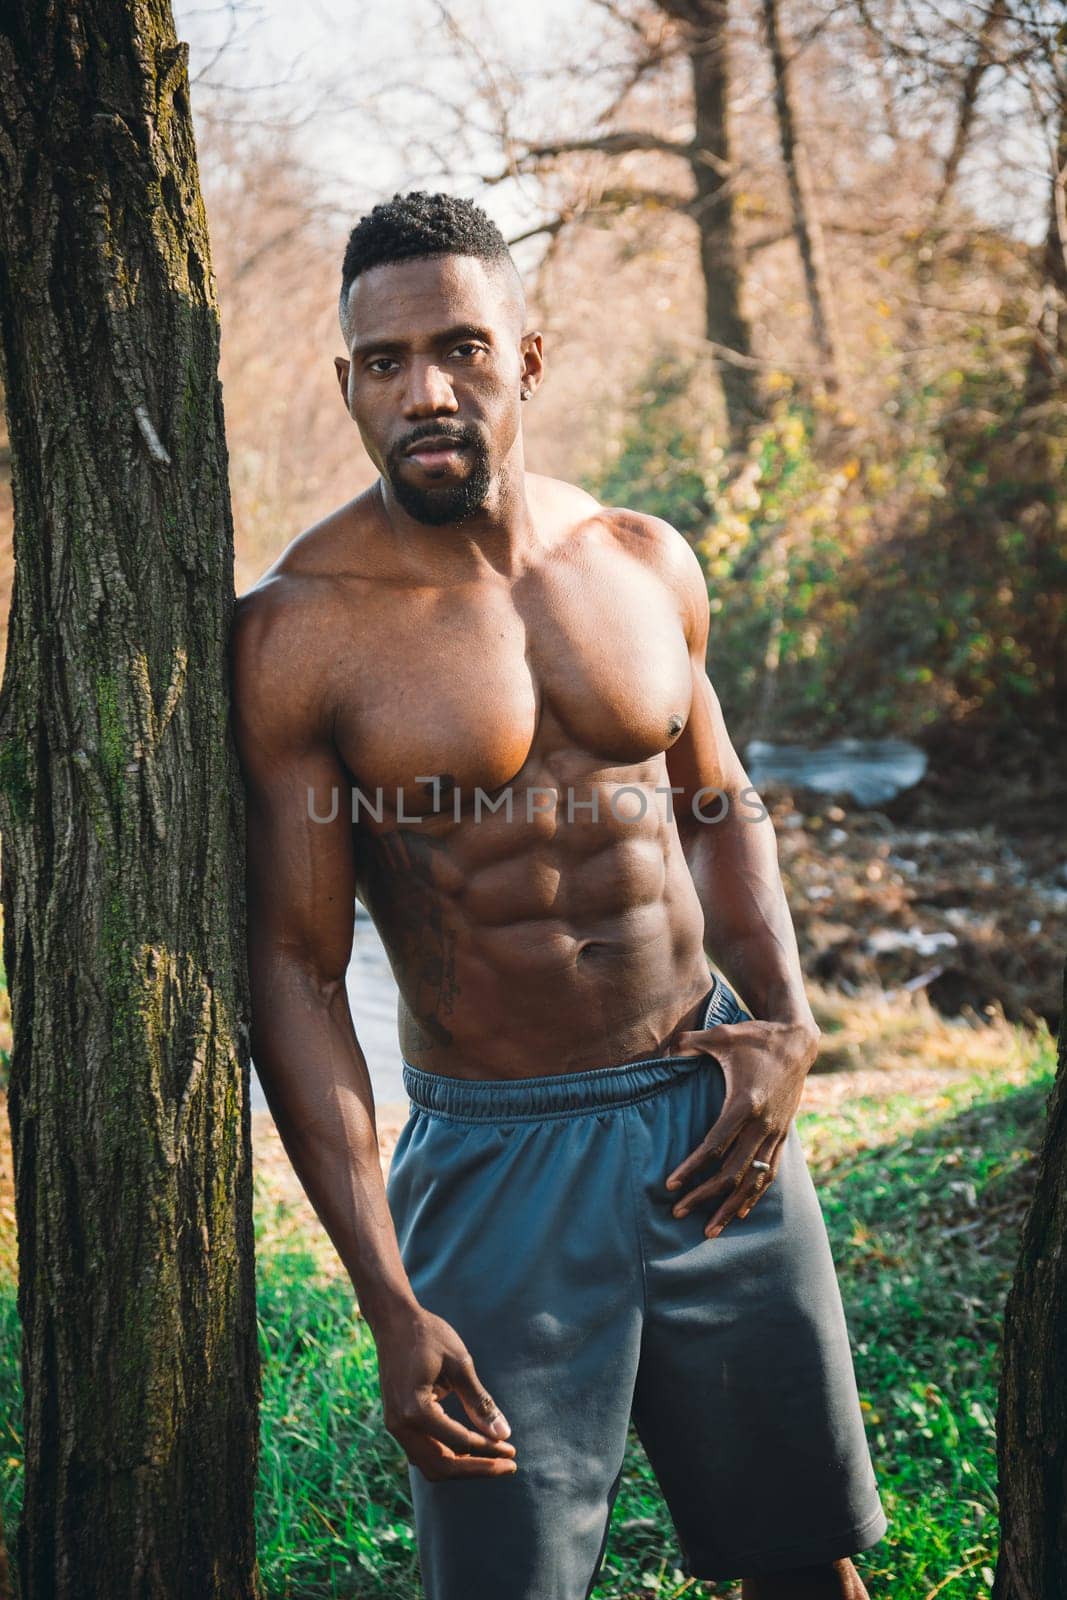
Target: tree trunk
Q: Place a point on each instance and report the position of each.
(1045, 378)
(122, 818)
(807, 229)
(725, 326)
(1032, 1420)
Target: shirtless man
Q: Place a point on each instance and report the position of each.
(477, 700)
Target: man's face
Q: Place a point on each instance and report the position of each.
(437, 362)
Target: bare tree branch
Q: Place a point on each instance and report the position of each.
(972, 82)
(624, 142)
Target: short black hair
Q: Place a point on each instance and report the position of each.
(419, 224)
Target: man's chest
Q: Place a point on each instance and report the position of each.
(470, 683)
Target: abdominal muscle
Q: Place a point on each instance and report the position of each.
(542, 944)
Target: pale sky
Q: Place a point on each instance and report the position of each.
(367, 76)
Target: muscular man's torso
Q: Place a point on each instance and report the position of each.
(549, 940)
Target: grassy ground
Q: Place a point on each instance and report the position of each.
(922, 1151)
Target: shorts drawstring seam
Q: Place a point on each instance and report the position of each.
(502, 1118)
(473, 1102)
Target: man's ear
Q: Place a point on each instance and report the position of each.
(341, 366)
(533, 364)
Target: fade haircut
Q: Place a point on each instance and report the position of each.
(419, 224)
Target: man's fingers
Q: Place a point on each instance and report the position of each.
(711, 1189)
(772, 1153)
(479, 1467)
(477, 1401)
(742, 1182)
(739, 1203)
(431, 1421)
(435, 1461)
(703, 1040)
(713, 1147)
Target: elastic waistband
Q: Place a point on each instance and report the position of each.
(562, 1093)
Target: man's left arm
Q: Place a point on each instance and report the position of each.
(730, 847)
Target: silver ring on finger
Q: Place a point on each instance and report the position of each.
(761, 1166)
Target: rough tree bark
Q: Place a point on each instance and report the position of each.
(807, 228)
(122, 818)
(1032, 1419)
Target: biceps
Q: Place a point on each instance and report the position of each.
(301, 870)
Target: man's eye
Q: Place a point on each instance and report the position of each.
(467, 348)
(380, 363)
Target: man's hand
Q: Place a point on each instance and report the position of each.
(420, 1360)
(764, 1064)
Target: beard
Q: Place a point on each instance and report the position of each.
(438, 504)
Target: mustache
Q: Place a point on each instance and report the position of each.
(435, 430)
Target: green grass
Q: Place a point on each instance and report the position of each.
(923, 1200)
(334, 1516)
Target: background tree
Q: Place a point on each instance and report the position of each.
(705, 37)
(686, 40)
(122, 828)
(807, 227)
(1046, 376)
(1032, 1420)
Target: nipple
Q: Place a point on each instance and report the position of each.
(674, 726)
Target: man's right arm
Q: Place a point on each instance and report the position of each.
(301, 902)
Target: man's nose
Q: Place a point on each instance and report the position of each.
(429, 391)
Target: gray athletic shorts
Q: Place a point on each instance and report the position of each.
(532, 1215)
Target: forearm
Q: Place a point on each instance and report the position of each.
(749, 931)
(315, 1078)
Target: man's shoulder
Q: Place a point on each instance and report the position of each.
(656, 544)
(647, 538)
(276, 685)
(283, 625)
(308, 580)
(337, 547)
(667, 555)
(274, 620)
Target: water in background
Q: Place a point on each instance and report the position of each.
(372, 998)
